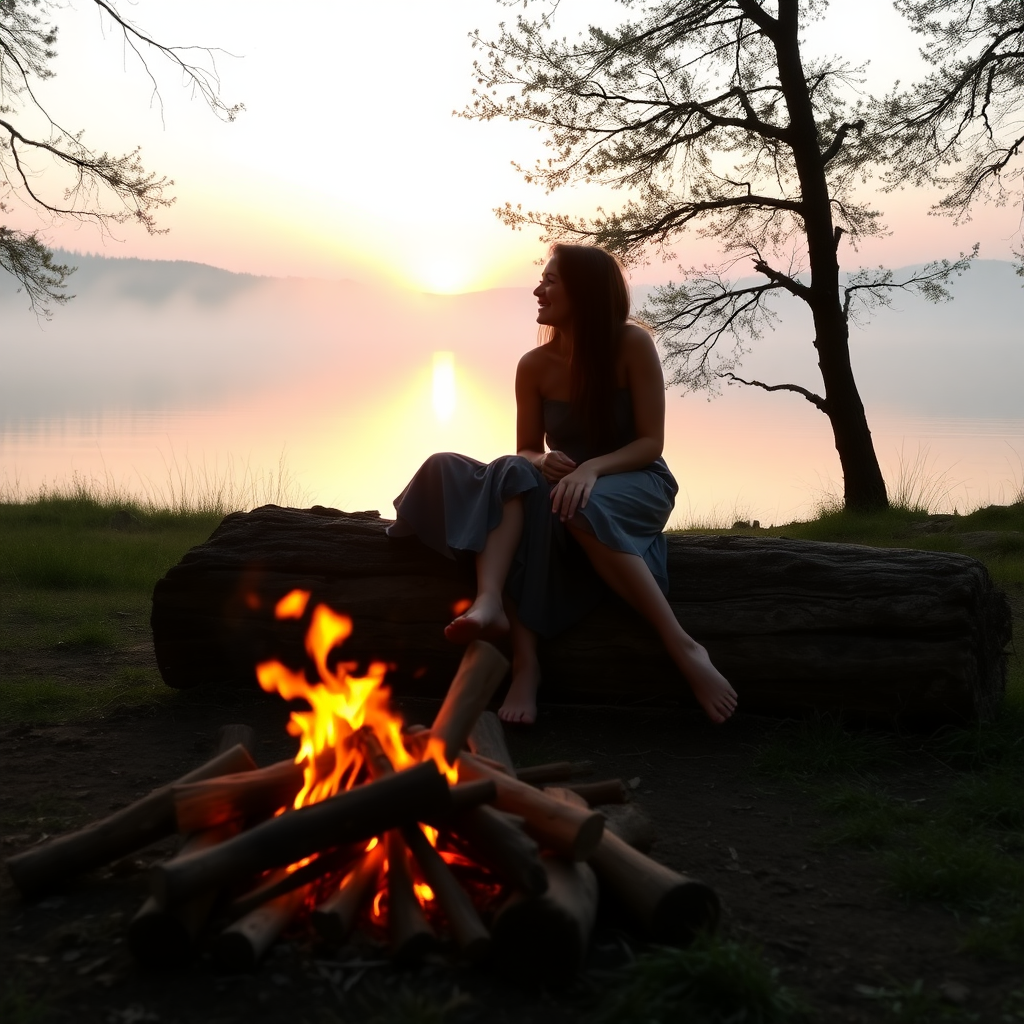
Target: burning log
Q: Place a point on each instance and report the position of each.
(569, 831)
(353, 815)
(285, 881)
(472, 937)
(249, 796)
(241, 946)
(668, 906)
(498, 842)
(408, 929)
(123, 832)
(794, 625)
(480, 673)
(557, 771)
(547, 937)
(487, 740)
(335, 918)
(161, 936)
(607, 791)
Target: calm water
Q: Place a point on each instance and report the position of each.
(747, 456)
(175, 381)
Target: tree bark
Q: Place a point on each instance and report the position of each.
(863, 485)
(797, 626)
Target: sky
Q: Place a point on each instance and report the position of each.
(348, 184)
(348, 162)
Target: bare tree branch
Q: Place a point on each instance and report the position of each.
(816, 400)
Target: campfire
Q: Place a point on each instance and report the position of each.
(426, 838)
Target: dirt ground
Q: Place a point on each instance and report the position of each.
(822, 914)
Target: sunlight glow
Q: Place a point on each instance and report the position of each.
(444, 385)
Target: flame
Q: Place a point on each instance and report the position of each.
(340, 703)
(462, 605)
(293, 605)
(423, 892)
(371, 844)
(435, 753)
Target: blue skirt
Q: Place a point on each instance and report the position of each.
(453, 502)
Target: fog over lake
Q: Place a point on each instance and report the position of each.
(160, 367)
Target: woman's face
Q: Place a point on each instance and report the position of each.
(553, 306)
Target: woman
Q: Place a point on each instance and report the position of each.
(594, 499)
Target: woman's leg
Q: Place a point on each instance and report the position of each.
(629, 576)
(520, 706)
(486, 616)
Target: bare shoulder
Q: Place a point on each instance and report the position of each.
(637, 340)
(638, 350)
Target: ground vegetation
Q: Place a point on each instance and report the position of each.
(866, 874)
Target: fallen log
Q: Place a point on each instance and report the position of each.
(545, 938)
(117, 835)
(795, 625)
(353, 815)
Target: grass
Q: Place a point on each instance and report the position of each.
(76, 579)
(961, 847)
(820, 747)
(713, 981)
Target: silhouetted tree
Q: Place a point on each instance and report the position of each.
(962, 126)
(51, 168)
(708, 114)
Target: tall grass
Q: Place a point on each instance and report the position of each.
(188, 490)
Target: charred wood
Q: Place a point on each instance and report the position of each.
(354, 815)
(335, 918)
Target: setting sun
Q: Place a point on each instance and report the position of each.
(444, 385)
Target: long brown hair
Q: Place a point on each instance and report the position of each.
(599, 296)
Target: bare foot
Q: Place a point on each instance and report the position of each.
(484, 619)
(520, 707)
(709, 686)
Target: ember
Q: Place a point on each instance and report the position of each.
(401, 829)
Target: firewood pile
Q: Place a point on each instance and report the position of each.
(428, 837)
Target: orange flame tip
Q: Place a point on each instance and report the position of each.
(292, 605)
(462, 605)
(435, 753)
(372, 844)
(423, 892)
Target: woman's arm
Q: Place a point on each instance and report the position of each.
(530, 422)
(647, 390)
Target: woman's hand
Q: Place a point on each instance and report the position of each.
(554, 466)
(573, 491)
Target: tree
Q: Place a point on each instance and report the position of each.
(709, 115)
(51, 168)
(962, 126)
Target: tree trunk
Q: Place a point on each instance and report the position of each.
(863, 486)
(795, 625)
